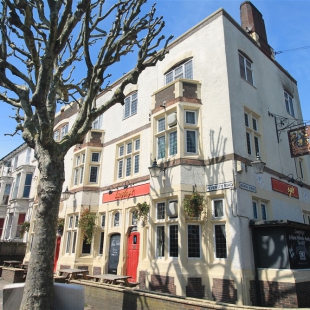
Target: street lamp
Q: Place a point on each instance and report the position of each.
(66, 194)
(258, 165)
(155, 170)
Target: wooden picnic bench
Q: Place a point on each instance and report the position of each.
(113, 279)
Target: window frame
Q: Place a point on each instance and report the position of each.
(213, 209)
(183, 71)
(163, 211)
(195, 117)
(170, 240)
(246, 72)
(215, 242)
(196, 141)
(163, 252)
(131, 105)
(190, 243)
(289, 103)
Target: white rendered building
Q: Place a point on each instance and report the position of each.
(204, 112)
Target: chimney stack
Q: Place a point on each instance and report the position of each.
(253, 23)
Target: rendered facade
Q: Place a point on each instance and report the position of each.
(204, 112)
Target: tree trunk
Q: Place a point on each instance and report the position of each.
(39, 289)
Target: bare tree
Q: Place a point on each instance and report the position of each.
(42, 43)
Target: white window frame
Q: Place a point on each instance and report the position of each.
(64, 130)
(95, 161)
(129, 149)
(185, 74)
(213, 209)
(170, 133)
(97, 173)
(162, 154)
(289, 104)
(165, 211)
(130, 102)
(156, 242)
(199, 239)
(170, 239)
(195, 118)
(196, 141)
(71, 231)
(159, 123)
(246, 70)
(214, 240)
(56, 135)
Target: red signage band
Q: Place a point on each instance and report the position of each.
(284, 188)
(129, 192)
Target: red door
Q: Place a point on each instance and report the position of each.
(133, 255)
(56, 252)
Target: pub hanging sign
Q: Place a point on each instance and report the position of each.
(299, 141)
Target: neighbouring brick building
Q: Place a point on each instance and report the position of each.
(204, 112)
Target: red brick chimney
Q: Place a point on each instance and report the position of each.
(253, 23)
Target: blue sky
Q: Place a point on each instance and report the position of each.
(287, 23)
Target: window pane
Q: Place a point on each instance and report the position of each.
(137, 163)
(218, 208)
(27, 185)
(134, 105)
(220, 241)
(101, 243)
(116, 219)
(193, 241)
(95, 157)
(68, 241)
(121, 150)
(129, 148)
(188, 68)
(160, 241)
(246, 119)
(120, 169)
(161, 211)
(81, 174)
(161, 125)
(86, 247)
(93, 174)
(173, 143)
(127, 107)
(248, 143)
(190, 117)
(74, 242)
(128, 166)
(249, 76)
(254, 206)
(264, 214)
(76, 174)
(15, 192)
(242, 67)
(173, 238)
(169, 77)
(70, 221)
(76, 224)
(161, 147)
(254, 121)
(137, 144)
(191, 141)
(256, 143)
(103, 220)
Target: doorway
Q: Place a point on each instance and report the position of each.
(133, 246)
(115, 241)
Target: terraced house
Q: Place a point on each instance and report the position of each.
(170, 176)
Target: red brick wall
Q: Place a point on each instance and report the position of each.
(223, 290)
(281, 294)
(195, 288)
(162, 284)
